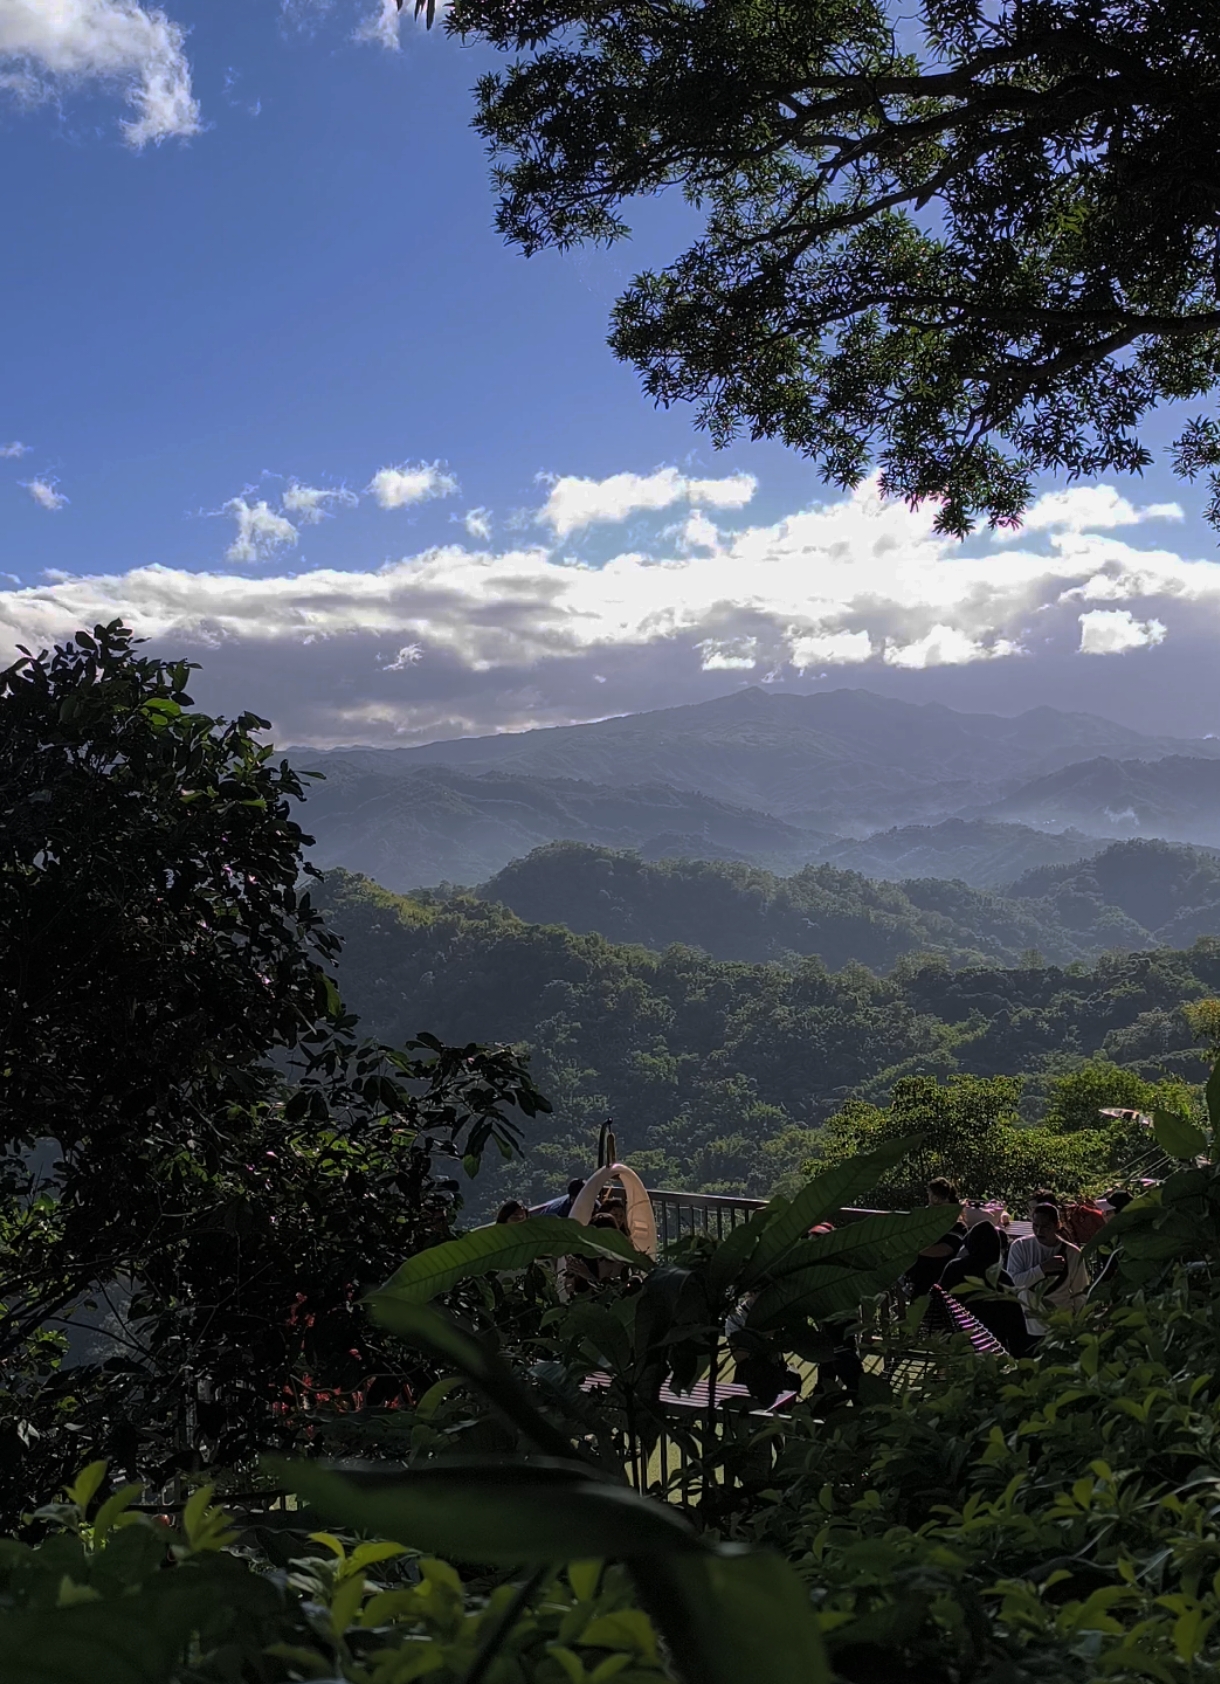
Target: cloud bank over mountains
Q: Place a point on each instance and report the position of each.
(465, 638)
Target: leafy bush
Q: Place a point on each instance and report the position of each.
(972, 1133)
(202, 1165)
(112, 1596)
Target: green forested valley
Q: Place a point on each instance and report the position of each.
(720, 1073)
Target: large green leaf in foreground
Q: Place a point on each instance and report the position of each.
(730, 1614)
(503, 1246)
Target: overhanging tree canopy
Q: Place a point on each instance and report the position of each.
(964, 249)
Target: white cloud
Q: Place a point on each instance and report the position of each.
(47, 46)
(410, 655)
(697, 532)
(1105, 631)
(734, 654)
(260, 531)
(946, 646)
(395, 488)
(830, 649)
(1086, 508)
(309, 502)
(478, 524)
(462, 638)
(576, 503)
(45, 493)
(15, 450)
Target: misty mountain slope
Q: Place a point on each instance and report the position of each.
(977, 851)
(743, 913)
(1176, 797)
(433, 824)
(1128, 898)
(834, 759)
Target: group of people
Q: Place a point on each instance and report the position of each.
(611, 1198)
(1010, 1284)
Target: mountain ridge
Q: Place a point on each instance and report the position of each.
(771, 778)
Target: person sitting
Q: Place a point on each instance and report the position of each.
(978, 1279)
(641, 1228)
(512, 1211)
(758, 1366)
(582, 1273)
(1082, 1219)
(1047, 1270)
(561, 1206)
(1115, 1200)
(924, 1273)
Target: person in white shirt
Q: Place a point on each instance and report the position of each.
(1047, 1270)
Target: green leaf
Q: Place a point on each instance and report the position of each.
(505, 1245)
(86, 1484)
(822, 1198)
(128, 1640)
(1178, 1135)
(736, 1615)
(486, 1511)
(734, 1253)
(832, 1273)
(431, 1331)
(1212, 1095)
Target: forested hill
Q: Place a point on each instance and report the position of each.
(1132, 895)
(716, 1071)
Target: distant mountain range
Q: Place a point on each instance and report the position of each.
(862, 781)
(422, 825)
(1176, 796)
(1129, 897)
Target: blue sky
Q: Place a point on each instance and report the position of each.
(288, 346)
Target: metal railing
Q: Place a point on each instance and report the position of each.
(717, 1214)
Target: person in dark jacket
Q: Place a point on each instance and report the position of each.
(977, 1278)
(926, 1270)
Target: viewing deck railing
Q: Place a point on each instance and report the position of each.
(679, 1213)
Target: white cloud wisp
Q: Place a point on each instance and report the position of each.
(45, 493)
(311, 504)
(576, 503)
(397, 488)
(48, 46)
(261, 532)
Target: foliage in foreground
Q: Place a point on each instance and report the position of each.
(720, 1074)
(202, 1164)
(112, 1596)
(968, 241)
(1053, 1520)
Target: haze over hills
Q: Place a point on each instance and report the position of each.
(1177, 796)
(981, 852)
(836, 760)
(1131, 897)
(423, 825)
(862, 781)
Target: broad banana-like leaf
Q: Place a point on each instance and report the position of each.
(515, 1513)
(818, 1200)
(735, 1615)
(842, 1268)
(1178, 1135)
(733, 1254)
(503, 1246)
(431, 1331)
